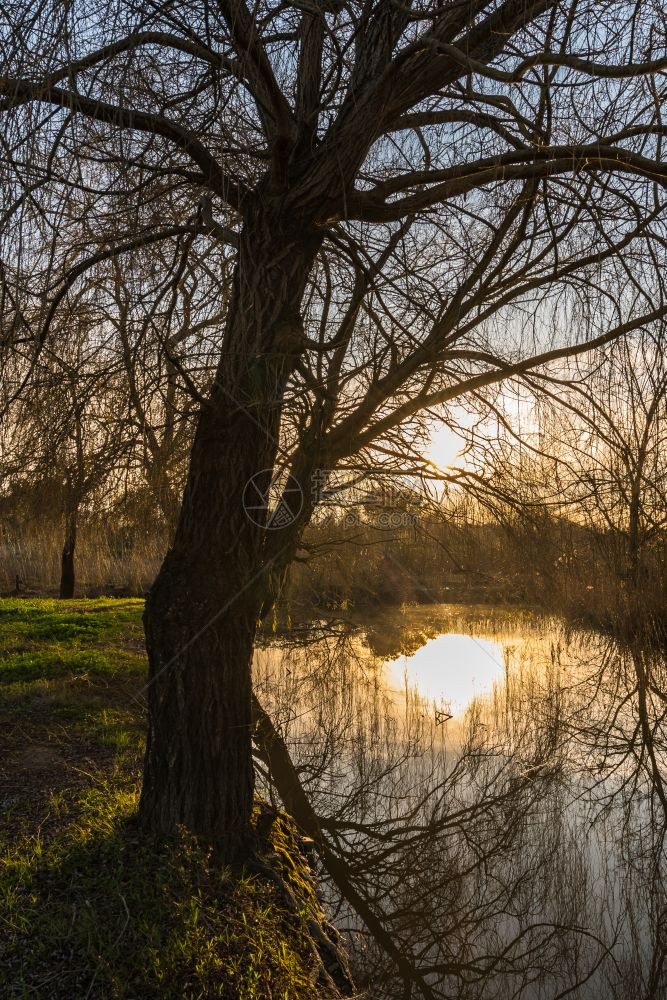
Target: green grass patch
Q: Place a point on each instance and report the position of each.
(105, 913)
(72, 704)
(73, 667)
(89, 908)
(50, 664)
(66, 622)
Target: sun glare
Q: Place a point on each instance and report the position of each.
(445, 449)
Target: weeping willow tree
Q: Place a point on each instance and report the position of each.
(412, 201)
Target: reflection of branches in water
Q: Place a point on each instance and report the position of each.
(616, 744)
(608, 702)
(615, 723)
(485, 862)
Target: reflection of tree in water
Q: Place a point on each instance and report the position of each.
(391, 633)
(398, 640)
(525, 859)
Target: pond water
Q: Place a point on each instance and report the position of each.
(514, 765)
(454, 655)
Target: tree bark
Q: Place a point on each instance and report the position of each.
(67, 576)
(202, 611)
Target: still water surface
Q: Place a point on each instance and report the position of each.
(453, 654)
(551, 762)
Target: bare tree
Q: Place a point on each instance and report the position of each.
(592, 464)
(613, 429)
(68, 435)
(417, 202)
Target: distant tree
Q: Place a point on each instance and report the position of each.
(68, 436)
(613, 429)
(416, 201)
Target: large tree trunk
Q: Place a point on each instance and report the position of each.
(67, 556)
(202, 611)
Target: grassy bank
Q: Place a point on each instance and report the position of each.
(88, 906)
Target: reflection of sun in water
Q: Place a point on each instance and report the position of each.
(445, 447)
(451, 668)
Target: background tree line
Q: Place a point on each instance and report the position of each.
(568, 510)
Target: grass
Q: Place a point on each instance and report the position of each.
(90, 908)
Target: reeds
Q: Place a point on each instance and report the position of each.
(109, 559)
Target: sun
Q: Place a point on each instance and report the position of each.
(445, 448)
